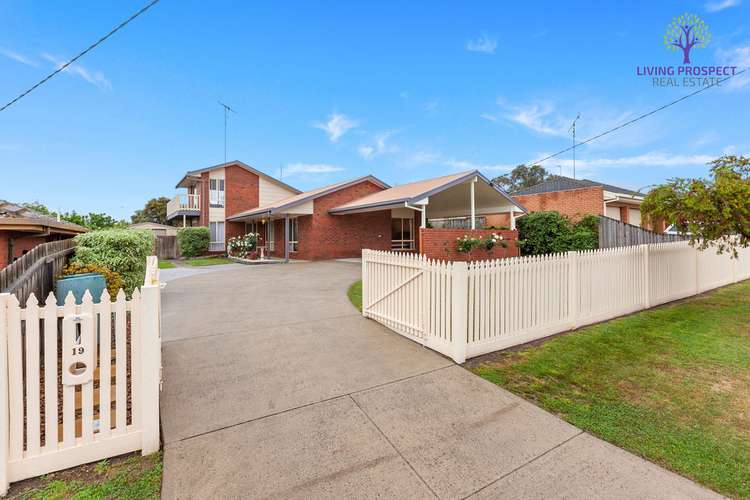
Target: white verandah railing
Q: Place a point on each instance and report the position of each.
(465, 310)
(78, 383)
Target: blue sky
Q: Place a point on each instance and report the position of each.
(333, 90)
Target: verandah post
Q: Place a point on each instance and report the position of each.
(459, 301)
(150, 311)
(4, 410)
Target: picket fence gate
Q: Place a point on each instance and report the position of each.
(66, 399)
(463, 310)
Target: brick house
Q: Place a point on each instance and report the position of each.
(21, 229)
(341, 219)
(578, 197)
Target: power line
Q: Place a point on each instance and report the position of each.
(641, 117)
(90, 48)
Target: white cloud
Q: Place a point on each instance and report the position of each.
(652, 159)
(311, 168)
(483, 44)
(337, 125)
(95, 78)
(431, 106)
(470, 165)
(721, 5)
(739, 57)
(488, 116)
(10, 54)
(380, 146)
(538, 117)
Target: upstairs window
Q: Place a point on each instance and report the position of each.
(216, 192)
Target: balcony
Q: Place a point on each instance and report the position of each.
(184, 205)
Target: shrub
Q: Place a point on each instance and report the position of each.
(466, 243)
(193, 241)
(242, 246)
(551, 232)
(113, 279)
(123, 251)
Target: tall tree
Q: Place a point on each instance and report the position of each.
(712, 211)
(155, 210)
(91, 221)
(522, 177)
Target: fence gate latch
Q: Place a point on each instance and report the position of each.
(78, 346)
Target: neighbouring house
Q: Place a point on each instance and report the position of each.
(156, 228)
(578, 197)
(21, 229)
(341, 219)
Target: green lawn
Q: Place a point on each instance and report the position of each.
(208, 261)
(671, 384)
(166, 264)
(355, 294)
(132, 476)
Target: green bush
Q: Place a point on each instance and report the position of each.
(550, 232)
(193, 241)
(123, 251)
(113, 279)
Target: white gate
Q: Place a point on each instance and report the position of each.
(79, 382)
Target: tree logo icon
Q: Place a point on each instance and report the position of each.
(685, 33)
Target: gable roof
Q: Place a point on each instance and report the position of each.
(198, 172)
(562, 183)
(18, 217)
(415, 191)
(306, 196)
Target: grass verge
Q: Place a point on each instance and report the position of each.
(165, 264)
(127, 476)
(208, 261)
(355, 294)
(671, 384)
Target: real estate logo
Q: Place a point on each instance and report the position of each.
(685, 33)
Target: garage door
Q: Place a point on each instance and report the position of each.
(613, 212)
(634, 216)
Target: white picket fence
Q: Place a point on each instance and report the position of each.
(466, 310)
(64, 396)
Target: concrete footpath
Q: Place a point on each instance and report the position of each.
(275, 387)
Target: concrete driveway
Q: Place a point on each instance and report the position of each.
(276, 387)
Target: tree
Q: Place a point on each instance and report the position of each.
(686, 32)
(522, 177)
(92, 221)
(155, 210)
(713, 212)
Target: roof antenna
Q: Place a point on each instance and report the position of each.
(573, 129)
(226, 108)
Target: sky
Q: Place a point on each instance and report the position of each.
(327, 91)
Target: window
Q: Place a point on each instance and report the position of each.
(402, 234)
(216, 192)
(251, 227)
(217, 236)
(293, 235)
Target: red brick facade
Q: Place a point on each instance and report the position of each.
(326, 236)
(574, 203)
(203, 186)
(22, 243)
(441, 244)
(241, 193)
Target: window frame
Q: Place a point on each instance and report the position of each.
(216, 193)
(294, 235)
(403, 244)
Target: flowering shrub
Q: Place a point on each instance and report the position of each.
(243, 246)
(466, 243)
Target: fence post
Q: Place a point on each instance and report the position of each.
(645, 276)
(365, 254)
(4, 410)
(459, 300)
(573, 289)
(150, 311)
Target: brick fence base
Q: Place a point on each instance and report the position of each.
(441, 244)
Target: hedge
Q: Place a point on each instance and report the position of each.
(123, 251)
(551, 232)
(193, 241)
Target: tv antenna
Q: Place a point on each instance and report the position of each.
(226, 109)
(573, 130)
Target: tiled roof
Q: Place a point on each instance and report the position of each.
(11, 213)
(562, 183)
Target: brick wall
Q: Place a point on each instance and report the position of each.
(21, 243)
(498, 220)
(242, 193)
(574, 203)
(441, 244)
(203, 188)
(326, 236)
